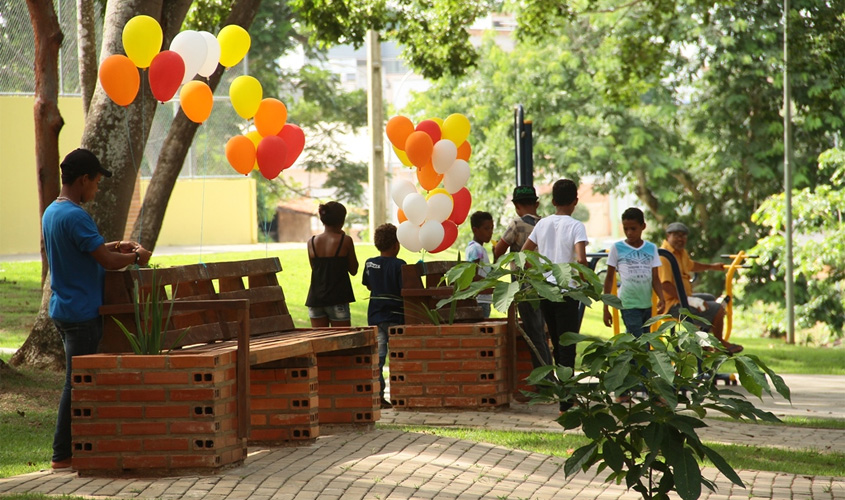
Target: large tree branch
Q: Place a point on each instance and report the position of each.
(86, 42)
(48, 119)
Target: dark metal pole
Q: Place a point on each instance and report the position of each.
(518, 117)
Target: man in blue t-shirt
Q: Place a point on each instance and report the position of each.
(78, 257)
(383, 277)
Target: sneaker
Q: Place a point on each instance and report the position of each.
(61, 465)
(385, 404)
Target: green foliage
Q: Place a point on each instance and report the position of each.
(150, 320)
(522, 277)
(818, 250)
(651, 443)
(679, 103)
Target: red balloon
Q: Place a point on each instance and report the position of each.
(450, 234)
(294, 137)
(431, 128)
(462, 202)
(166, 72)
(271, 155)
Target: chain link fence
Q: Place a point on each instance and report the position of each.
(206, 157)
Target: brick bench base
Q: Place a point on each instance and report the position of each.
(448, 366)
(153, 415)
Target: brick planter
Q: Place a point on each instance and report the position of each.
(153, 415)
(449, 366)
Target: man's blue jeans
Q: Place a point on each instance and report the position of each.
(79, 339)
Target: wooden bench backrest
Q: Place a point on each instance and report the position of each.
(255, 280)
(421, 289)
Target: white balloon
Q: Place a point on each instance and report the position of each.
(443, 156)
(401, 188)
(212, 55)
(439, 207)
(192, 47)
(415, 208)
(457, 176)
(408, 235)
(431, 235)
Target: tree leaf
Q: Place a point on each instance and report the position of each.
(750, 376)
(662, 365)
(503, 294)
(687, 475)
(582, 458)
(612, 454)
(722, 465)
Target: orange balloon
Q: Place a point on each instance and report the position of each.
(428, 177)
(419, 147)
(120, 79)
(464, 150)
(400, 215)
(398, 129)
(196, 100)
(270, 117)
(240, 151)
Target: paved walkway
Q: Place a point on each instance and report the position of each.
(387, 464)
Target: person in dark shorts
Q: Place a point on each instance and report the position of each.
(332, 257)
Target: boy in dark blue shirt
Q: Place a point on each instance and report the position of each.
(383, 277)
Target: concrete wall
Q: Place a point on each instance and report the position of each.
(223, 207)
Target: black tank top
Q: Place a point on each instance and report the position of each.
(330, 284)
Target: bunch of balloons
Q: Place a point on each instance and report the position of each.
(440, 152)
(191, 53)
(272, 147)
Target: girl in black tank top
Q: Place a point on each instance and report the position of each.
(330, 283)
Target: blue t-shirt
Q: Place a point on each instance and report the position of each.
(383, 276)
(70, 235)
(635, 272)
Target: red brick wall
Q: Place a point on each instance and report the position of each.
(441, 366)
(155, 414)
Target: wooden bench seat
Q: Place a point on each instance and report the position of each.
(284, 381)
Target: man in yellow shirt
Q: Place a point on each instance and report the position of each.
(701, 304)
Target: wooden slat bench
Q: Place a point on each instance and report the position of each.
(241, 373)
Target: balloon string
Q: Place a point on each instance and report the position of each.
(202, 199)
(138, 166)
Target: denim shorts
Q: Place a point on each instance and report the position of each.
(337, 312)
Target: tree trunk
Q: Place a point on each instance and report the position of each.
(175, 148)
(48, 120)
(86, 41)
(43, 348)
(117, 134)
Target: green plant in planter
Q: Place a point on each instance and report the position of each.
(521, 277)
(650, 442)
(150, 321)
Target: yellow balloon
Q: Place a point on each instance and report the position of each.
(142, 40)
(438, 121)
(234, 44)
(455, 128)
(255, 137)
(245, 94)
(403, 157)
(436, 191)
